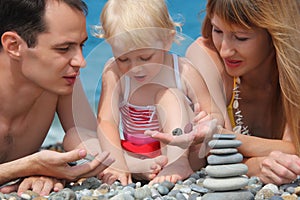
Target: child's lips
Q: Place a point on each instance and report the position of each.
(140, 78)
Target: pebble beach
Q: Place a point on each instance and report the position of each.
(190, 189)
(228, 184)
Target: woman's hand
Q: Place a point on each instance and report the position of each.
(279, 168)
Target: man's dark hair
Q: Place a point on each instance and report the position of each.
(26, 17)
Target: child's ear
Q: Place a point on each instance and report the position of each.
(11, 43)
(169, 41)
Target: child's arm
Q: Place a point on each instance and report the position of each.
(108, 124)
(173, 112)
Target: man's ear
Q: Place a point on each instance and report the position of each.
(11, 43)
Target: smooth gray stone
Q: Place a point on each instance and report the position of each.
(217, 144)
(223, 151)
(236, 195)
(230, 170)
(225, 159)
(224, 136)
(225, 184)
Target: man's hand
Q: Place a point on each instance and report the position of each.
(41, 185)
(54, 164)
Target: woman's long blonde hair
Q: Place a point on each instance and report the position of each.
(281, 18)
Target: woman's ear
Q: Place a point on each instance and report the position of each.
(11, 43)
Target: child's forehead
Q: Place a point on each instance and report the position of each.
(140, 52)
(123, 48)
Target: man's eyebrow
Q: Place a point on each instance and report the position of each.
(69, 43)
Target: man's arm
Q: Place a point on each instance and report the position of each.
(54, 164)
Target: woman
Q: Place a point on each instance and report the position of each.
(255, 46)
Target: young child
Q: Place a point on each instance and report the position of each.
(145, 87)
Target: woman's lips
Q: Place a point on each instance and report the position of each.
(232, 63)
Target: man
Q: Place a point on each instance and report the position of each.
(40, 59)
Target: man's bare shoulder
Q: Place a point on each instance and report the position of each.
(23, 133)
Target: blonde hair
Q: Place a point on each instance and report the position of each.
(137, 23)
(281, 19)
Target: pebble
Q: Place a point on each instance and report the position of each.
(226, 170)
(225, 184)
(215, 144)
(177, 132)
(223, 151)
(224, 136)
(224, 159)
(235, 195)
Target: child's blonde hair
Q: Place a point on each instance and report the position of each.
(136, 23)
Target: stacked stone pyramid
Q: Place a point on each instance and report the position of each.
(225, 170)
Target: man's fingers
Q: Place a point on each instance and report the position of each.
(94, 167)
(24, 186)
(9, 188)
(58, 186)
(100, 168)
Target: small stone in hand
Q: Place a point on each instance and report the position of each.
(188, 128)
(177, 132)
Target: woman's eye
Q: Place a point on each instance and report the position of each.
(217, 30)
(241, 38)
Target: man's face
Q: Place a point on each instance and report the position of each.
(54, 63)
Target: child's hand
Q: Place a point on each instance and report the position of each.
(183, 141)
(110, 175)
(201, 132)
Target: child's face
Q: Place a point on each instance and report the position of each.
(141, 65)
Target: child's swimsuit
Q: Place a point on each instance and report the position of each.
(137, 119)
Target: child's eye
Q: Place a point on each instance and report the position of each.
(122, 59)
(146, 58)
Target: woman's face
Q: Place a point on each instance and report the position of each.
(242, 50)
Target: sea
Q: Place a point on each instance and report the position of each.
(96, 51)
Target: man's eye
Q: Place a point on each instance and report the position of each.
(62, 48)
